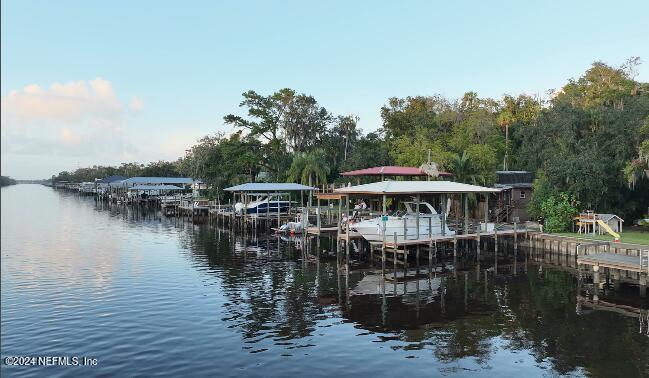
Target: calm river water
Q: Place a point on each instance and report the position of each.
(149, 295)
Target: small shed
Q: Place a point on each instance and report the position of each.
(612, 220)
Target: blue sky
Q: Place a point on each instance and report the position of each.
(142, 80)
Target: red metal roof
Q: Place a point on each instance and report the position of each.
(390, 170)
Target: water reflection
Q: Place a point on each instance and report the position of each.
(134, 282)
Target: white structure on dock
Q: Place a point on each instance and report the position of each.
(415, 225)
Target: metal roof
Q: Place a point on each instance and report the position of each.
(415, 187)
(155, 187)
(390, 170)
(154, 180)
(268, 187)
(514, 177)
(110, 179)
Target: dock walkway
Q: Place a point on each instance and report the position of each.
(638, 264)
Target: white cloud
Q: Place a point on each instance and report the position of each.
(70, 103)
(79, 118)
(137, 104)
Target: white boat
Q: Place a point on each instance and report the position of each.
(263, 205)
(429, 224)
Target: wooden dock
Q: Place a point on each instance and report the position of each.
(639, 264)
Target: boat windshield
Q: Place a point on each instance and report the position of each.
(424, 208)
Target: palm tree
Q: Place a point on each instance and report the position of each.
(462, 169)
(309, 167)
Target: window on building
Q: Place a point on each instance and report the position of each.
(522, 194)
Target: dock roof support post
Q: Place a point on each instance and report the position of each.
(466, 212)
(443, 215)
(417, 217)
(308, 209)
(486, 211)
(318, 216)
(383, 235)
(340, 214)
(347, 234)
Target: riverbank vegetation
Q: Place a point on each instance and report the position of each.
(588, 140)
(6, 181)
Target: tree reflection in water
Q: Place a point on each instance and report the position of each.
(277, 294)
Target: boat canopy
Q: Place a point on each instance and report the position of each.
(134, 181)
(155, 187)
(269, 187)
(414, 187)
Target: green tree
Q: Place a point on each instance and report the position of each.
(309, 168)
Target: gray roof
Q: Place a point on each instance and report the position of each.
(268, 187)
(608, 217)
(155, 187)
(155, 180)
(514, 177)
(414, 187)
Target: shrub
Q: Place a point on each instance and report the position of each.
(558, 211)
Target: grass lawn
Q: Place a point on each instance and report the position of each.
(631, 236)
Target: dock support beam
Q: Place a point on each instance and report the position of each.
(443, 218)
(465, 198)
(643, 285)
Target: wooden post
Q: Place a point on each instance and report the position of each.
(516, 236)
(318, 215)
(340, 213)
(279, 215)
(466, 212)
(486, 212)
(308, 211)
(430, 257)
(394, 255)
(443, 217)
(383, 237)
(417, 217)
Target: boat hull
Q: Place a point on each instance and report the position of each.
(372, 229)
(271, 208)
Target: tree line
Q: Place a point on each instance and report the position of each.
(6, 181)
(588, 141)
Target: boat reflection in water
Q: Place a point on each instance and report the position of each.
(151, 295)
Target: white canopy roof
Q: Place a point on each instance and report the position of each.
(415, 187)
(268, 187)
